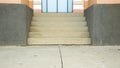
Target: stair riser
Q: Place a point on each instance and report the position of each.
(59, 14)
(59, 19)
(46, 30)
(59, 29)
(58, 35)
(58, 24)
(58, 41)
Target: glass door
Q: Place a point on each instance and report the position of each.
(44, 5)
(52, 5)
(62, 5)
(70, 6)
(57, 5)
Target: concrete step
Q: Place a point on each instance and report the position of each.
(32, 41)
(59, 14)
(58, 34)
(59, 19)
(44, 20)
(58, 23)
(60, 29)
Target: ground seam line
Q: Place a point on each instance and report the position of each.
(61, 56)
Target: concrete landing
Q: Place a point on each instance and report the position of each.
(60, 57)
(29, 57)
(91, 57)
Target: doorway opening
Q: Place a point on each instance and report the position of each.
(66, 6)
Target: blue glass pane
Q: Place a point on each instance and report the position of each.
(62, 5)
(52, 5)
(70, 5)
(57, 5)
(44, 5)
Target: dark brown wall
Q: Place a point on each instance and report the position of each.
(15, 20)
(104, 23)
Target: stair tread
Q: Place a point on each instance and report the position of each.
(58, 25)
(58, 14)
(59, 22)
(59, 28)
(58, 18)
(59, 34)
(37, 27)
(59, 41)
(83, 29)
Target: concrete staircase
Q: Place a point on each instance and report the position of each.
(59, 28)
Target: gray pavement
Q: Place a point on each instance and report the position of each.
(60, 57)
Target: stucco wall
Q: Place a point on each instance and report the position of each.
(25, 2)
(15, 1)
(31, 4)
(108, 1)
(10, 1)
(91, 2)
(85, 4)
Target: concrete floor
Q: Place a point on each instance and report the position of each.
(60, 57)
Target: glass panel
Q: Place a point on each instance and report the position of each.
(44, 5)
(52, 5)
(62, 5)
(70, 5)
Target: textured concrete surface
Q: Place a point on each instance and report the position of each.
(30, 57)
(58, 28)
(60, 57)
(14, 24)
(91, 57)
(104, 24)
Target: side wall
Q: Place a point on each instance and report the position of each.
(10, 1)
(92, 2)
(104, 23)
(108, 1)
(26, 2)
(14, 24)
